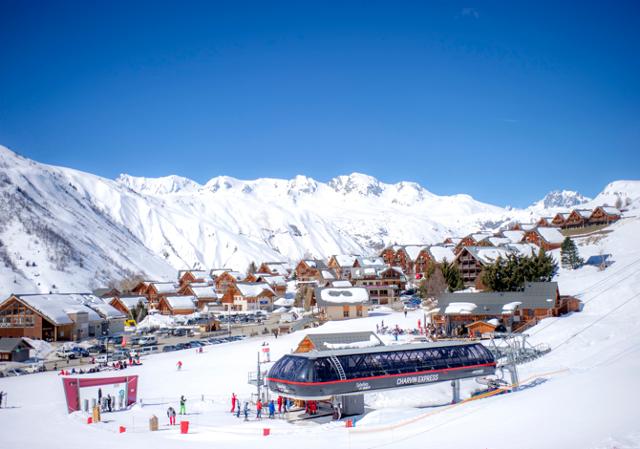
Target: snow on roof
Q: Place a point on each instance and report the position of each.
(551, 235)
(165, 287)
(511, 306)
(514, 236)
(326, 274)
(493, 322)
(610, 210)
(488, 254)
(284, 302)
(102, 307)
(497, 241)
(371, 342)
(341, 283)
(204, 292)
(528, 226)
(413, 251)
(274, 280)
(181, 302)
(345, 260)
(348, 295)
(460, 308)
(440, 253)
(130, 302)
(311, 263)
(480, 236)
(253, 289)
(523, 249)
(56, 307)
(371, 261)
(584, 213)
(281, 268)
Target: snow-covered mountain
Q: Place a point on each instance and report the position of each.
(560, 198)
(69, 230)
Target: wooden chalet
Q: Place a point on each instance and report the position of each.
(382, 285)
(343, 264)
(397, 256)
(578, 218)
(177, 305)
(604, 215)
(545, 238)
(472, 259)
(544, 222)
(206, 296)
(513, 310)
(126, 304)
(479, 329)
(52, 317)
(14, 349)
(227, 279)
(275, 268)
(312, 270)
(247, 296)
(186, 277)
(277, 283)
(560, 219)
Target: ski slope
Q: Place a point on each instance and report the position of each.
(590, 399)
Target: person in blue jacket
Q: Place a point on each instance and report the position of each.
(272, 409)
(246, 411)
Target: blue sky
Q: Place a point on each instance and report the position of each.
(501, 100)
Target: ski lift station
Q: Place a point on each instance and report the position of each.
(335, 367)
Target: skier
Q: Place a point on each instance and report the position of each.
(234, 399)
(2, 394)
(183, 405)
(279, 404)
(405, 312)
(246, 411)
(284, 404)
(179, 365)
(238, 410)
(272, 409)
(171, 413)
(259, 409)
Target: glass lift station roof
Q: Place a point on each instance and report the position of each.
(322, 374)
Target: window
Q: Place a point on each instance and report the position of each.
(345, 311)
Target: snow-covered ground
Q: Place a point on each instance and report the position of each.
(583, 394)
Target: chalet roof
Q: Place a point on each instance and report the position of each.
(341, 283)
(9, 344)
(332, 296)
(56, 307)
(497, 241)
(164, 288)
(550, 235)
(528, 226)
(253, 289)
(204, 292)
(328, 274)
(440, 253)
(284, 302)
(523, 249)
(325, 342)
(480, 236)
(130, 302)
(272, 280)
(279, 268)
(610, 210)
(371, 261)
(486, 254)
(536, 295)
(584, 213)
(183, 302)
(102, 307)
(345, 260)
(413, 251)
(514, 235)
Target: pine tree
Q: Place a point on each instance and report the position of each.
(511, 273)
(452, 276)
(252, 268)
(569, 256)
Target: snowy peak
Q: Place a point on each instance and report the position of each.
(158, 186)
(561, 198)
(359, 183)
(621, 194)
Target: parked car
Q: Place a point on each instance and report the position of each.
(148, 340)
(102, 358)
(169, 348)
(97, 349)
(80, 352)
(148, 350)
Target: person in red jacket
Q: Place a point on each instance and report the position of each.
(234, 400)
(279, 404)
(259, 409)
